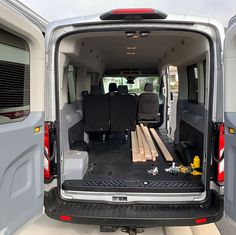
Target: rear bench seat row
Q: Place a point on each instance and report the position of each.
(104, 113)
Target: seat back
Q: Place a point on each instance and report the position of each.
(148, 107)
(112, 87)
(96, 111)
(123, 110)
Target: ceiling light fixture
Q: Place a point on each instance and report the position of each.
(130, 34)
(131, 48)
(130, 53)
(144, 34)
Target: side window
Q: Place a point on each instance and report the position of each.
(192, 72)
(14, 78)
(72, 76)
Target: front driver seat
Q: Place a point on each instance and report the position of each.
(148, 107)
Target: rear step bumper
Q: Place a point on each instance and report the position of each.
(148, 186)
(137, 215)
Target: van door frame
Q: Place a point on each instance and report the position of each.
(60, 29)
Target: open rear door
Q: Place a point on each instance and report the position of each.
(21, 120)
(230, 121)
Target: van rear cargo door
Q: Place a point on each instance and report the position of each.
(21, 120)
(230, 121)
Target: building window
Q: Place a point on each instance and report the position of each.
(14, 78)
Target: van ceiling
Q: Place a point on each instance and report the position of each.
(118, 52)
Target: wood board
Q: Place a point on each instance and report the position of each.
(147, 152)
(135, 148)
(161, 145)
(140, 143)
(150, 143)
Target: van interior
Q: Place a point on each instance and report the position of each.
(110, 82)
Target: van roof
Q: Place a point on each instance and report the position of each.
(95, 18)
(170, 17)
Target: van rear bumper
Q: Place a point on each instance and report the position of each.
(136, 215)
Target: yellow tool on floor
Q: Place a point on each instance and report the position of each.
(196, 165)
(193, 169)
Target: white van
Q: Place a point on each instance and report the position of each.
(70, 110)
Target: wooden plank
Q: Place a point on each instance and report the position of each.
(147, 151)
(161, 145)
(135, 149)
(150, 143)
(140, 143)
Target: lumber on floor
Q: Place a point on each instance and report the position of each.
(161, 145)
(150, 143)
(135, 148)
(140, 143)
(147, 152)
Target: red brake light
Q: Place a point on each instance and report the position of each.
(220, 170)
(133, 11)
(47, 173)
(133, 14)
(201, 221)
(65, 218)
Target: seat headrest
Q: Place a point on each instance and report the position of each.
(148, 87)
(96, 90)
(123, 89)
(112, 87)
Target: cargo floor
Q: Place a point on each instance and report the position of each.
(111, 169)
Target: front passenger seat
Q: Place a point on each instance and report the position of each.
(148, 107)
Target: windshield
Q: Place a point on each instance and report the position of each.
(137, 87)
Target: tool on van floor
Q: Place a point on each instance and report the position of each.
(153, 171)
(193, 169)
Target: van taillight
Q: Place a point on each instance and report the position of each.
(201, 221)
(220, 167)
(47, 173)
(65, 218)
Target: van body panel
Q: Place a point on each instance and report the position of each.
(21, 168)
(36, 19)
(230, 121)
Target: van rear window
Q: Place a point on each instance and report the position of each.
(136, 87)
(14, 78)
